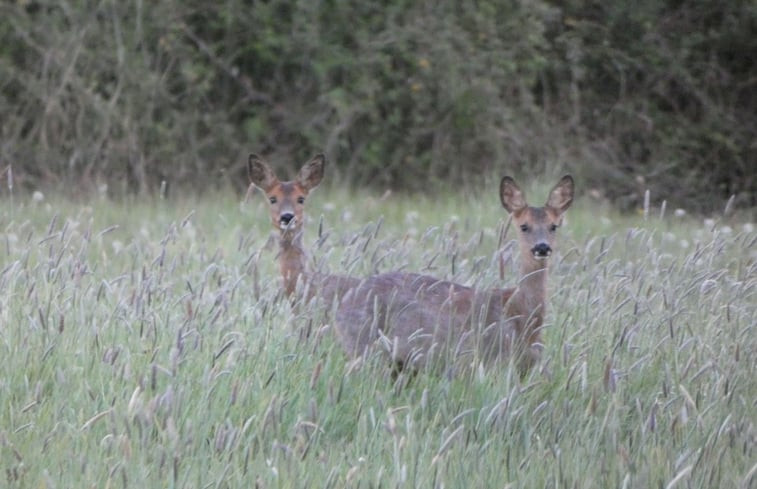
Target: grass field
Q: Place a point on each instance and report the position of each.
(145, 344)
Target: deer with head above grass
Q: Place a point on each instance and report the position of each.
(287, 211)
(418, 319)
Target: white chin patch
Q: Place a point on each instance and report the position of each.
(540, 257)
(285, 227)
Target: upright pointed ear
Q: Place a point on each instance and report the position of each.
(260, 173)
(512, 197)
(312, 172)
(561, 196)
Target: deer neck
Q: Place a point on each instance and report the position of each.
(529, 299)
(292, 261)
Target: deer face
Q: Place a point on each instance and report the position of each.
(537, 226)
(286, 199)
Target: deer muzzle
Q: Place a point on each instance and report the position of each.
(541, 251)
(286, 220)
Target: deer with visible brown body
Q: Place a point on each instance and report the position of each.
(418, 318)
(287, 211)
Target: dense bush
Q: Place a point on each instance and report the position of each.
(404, 94)
(663, 91)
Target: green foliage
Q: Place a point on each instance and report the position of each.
(399, 94)
(146, 344)
(668, 87)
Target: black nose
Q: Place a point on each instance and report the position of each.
(286, 218)
(541, 249)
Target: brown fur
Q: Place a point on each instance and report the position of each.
(418, 318)
(288, 198)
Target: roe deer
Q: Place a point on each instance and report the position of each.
(287, 205)
(418, 318)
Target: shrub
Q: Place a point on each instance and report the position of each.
(402, 94)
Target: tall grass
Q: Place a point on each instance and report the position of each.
(146, 344)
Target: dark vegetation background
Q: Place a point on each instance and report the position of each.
(400, 94)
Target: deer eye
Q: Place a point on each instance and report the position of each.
(524, 228)
(553, 227)
(272, 200)
(300, 200)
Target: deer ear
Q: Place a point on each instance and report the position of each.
(561, 196)
(511, 195)
(311, 173)
(260, 173)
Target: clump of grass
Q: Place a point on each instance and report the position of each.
(149, 344)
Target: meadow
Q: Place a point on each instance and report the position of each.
(146, 343)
